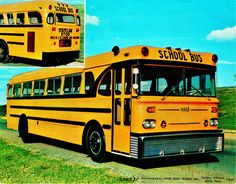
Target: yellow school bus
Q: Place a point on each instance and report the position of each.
(139, 102)
(40, 30)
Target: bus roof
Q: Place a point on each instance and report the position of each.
(150, 53)
(43, 74)
(39, 5)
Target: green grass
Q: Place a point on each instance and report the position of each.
(2, 110)
(22, 166)
(227, 107)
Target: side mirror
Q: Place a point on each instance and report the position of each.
(136, 82)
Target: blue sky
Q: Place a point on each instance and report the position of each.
(203, 26)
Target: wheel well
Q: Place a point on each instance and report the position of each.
(23, 122)
(3, 41)
(89, 124)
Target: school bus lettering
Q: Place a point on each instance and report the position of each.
(60, 9)
(70, 10)
(195, 57)
(65, 32)
(172, 55)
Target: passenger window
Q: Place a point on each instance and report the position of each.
(39, 87)
(54, 86)
(35, 18)
(10, 88)
(1, 19)
(89, 80)
(10, 18)
(27, 88)
(105, 86)
(20, 18)
(72, 84)
(17, 90)
(50, 18)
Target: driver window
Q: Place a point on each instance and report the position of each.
(105, 85)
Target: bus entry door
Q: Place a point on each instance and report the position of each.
(121, 110)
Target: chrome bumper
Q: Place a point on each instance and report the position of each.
(174, 144)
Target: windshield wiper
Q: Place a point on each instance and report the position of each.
(198, 91)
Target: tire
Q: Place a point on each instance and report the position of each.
(23, 129)
(95, 144)
(4, 52)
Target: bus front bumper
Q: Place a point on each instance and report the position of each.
(174, 144)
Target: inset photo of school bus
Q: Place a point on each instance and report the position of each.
(41, 33)
(138, 102)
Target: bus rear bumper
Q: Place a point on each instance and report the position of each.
(175, 144)
(60, 55)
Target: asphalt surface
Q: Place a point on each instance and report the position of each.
(215, 168)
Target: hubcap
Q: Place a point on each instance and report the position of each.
(95, 142)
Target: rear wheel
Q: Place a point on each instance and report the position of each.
(23, 129)
(95, 144)
(3, 52)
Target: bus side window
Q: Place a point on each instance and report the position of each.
(35, 18)
(50, 18)
(89, 80)
(1, 19)
(161, 85)
(72, 84)
(54, 86)
(10, 88)
(17, 90)
(105, 86)
(20, 18)
(39, 87)
(10, 18)
(27, 88)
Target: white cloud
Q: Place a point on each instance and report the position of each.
(224, 62)
(92, 19)
(228, 33)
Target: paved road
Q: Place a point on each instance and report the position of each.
(216, 168)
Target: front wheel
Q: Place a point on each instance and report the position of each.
(95, 143)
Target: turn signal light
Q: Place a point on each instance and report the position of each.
(53, 28)
(163, 124)
(50, 7)
(151, 109)
(214, 109)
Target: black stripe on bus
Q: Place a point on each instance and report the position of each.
(12, 34)
(16, 43)
(59, 121)
(75, 109)
(17, 26)
(106, 126)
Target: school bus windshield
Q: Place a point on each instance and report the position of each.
(172, 81)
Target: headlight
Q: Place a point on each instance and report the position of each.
(214, 122)
(149, 123)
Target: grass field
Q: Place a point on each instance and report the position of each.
(22, 166)
(227, 107)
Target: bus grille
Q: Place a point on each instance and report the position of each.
(157, 147)
(134, 147)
